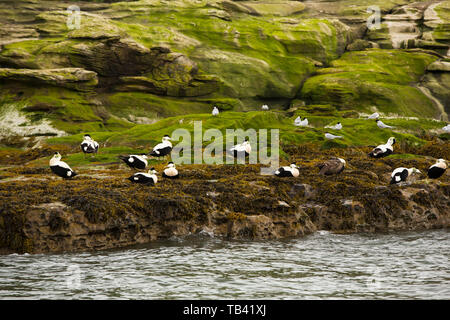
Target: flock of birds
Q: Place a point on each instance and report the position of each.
(163, 149)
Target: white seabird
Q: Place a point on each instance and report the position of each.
(265, 107)
(437, 169)
(89, 145)
(446, 128)
(288, 171)
(61, 168)
(332, 136)
(383, 150)
(401, 174)
(337, 126)
(375, 115)
(149, 178)
(301, 123)
(135, 161)
(242, 149)
(381, 125)
(215, 111)
(170, 172)
(162, 149)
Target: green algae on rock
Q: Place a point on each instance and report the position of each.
(73, 78)
(94, 212)
(374, 77)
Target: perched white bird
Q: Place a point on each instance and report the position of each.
(375, 115)
(446, 128)
(331, 136)
(265, 107)
(301, 123)
(383, 150)
(401, 174)
(61, 168)
(337, 126)
(381, 125)
(215, 111)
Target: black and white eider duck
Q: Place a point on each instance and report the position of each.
(242, 149)
(135, 161)
(162, 149)
(149, 178)
(401, 174)
(333, 166)
(61, 168)
(288, 171)
(89, 145)
(437, 169)
(383, 150)
(170, 172)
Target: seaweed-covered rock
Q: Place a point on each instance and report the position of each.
(43, 213)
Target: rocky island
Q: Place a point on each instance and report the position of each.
(134, 71)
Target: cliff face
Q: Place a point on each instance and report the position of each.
(138, 61)
(136, 70)
(100, 209)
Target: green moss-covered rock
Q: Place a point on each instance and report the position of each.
(437, 17)
(439, 85)
(359, 45)
(267, 57)
(88, 26)
(278, 8)
(373, 78)
(75, 78)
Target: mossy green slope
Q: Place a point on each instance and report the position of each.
(371, 80)
(258, 56)
(356, 132)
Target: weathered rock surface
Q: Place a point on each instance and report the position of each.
(203, 53)
(372, 75)
(41, 213)
(73, 78)
(439, 66)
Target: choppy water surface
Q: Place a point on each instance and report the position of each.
(412, 265)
